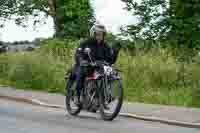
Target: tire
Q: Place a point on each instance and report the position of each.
(110, 116)
(90, 89)
(69, 95)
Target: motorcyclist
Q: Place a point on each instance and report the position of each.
(99, 51)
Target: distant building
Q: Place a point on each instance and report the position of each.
(21, 47)
(3, 47)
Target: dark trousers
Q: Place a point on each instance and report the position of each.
(82, 73)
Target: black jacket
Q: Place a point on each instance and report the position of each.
(102, 52)
(98, 51)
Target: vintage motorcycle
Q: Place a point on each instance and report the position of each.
(102, 91)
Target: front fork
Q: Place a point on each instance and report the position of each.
(103, 90)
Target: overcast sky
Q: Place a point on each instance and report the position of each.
(109, 12)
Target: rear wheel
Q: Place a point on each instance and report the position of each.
(111, 100)
(71, 98)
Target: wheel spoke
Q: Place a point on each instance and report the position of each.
(71, 98)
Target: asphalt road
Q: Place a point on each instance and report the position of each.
(24, 118)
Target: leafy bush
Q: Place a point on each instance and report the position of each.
(156, 77)
(36, 71)
(152, 77)
(42, 69)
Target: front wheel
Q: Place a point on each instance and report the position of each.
(111, 99)
(72, 107)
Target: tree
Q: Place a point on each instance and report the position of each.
(78, 18)
(185, 18)
(176, 21)
(67, 14)
(152, 18)
(19, 10)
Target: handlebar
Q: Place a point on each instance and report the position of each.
(95, 63)
(98, 62)
(92, 62)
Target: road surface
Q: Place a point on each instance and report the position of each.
(25, 118)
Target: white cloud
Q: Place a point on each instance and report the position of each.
(112, 14)
(12, 32)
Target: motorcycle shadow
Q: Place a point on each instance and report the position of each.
(88, 116)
